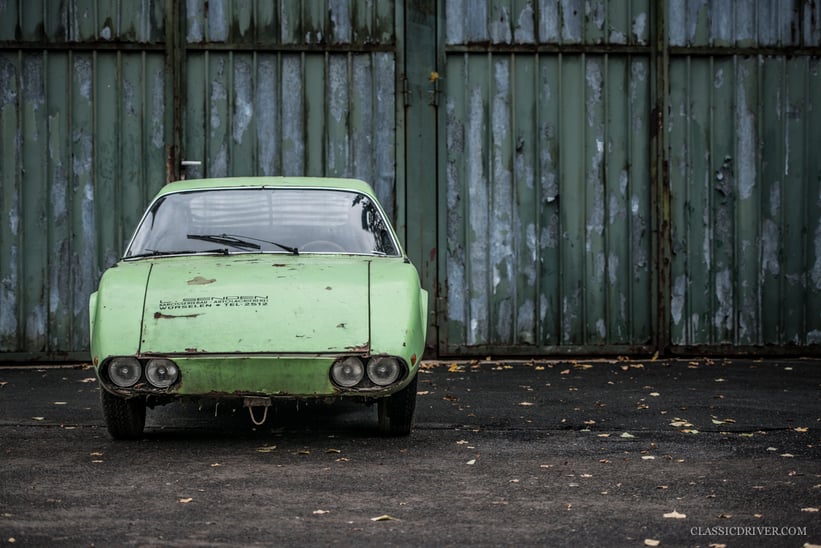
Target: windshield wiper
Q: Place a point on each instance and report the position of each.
(157, 253)
(226, 239)
(229, 238)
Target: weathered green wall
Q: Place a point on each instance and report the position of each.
(568, 175)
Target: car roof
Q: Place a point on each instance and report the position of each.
(272, 182)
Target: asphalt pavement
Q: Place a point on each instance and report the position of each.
(690, 452)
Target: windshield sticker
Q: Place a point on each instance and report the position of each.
(233, 301)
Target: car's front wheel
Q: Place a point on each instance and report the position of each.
(396, 411)
(124, 417)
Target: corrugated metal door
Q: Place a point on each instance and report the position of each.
(291, 88)
(744, 130)
(549, 196)
(82, 147)
(100, 102)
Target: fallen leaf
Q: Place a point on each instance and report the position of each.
(655, 394)
(801, 429)
(471, 462)
(266, 448)
(38, 418)
(675, 515)
(186, 500)
(787, 455)
(423, 393)
(565, 372)
(89, 379)
(651, 542)
(582, 366)
(648, 457)
(215, 465)
(59, 403)
(627, 435)
(455, 368)
(384, 517)
(3, 383)
(320, 512)
(725, 516)
(331, 450)
(526, 403)
(809, 510)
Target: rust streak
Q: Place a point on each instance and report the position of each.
(161, 316)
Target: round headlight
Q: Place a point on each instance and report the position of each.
(384, 370)
(161, 373)
(348, 372)
(124, 372)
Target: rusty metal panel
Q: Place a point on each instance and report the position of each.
(292, 88)
(745, 181)
(547, 22)
(547, 172)
(280, 113)
(82, 149)
(744, 23)
(77, 21)
(301, 23)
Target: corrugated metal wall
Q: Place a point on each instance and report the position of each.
(623, 176)
(569, 175)
(548, 176)
(100, 100)
(83, 138)
(744, 129)
(292, 88)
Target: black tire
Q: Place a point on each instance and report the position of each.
(124, 417)
(396, 411)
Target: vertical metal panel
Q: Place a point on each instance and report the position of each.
(83, 145)
(547, 22)
(259, 106)
(744, 23)
(252, 113)
(547, 174)
(745, 186)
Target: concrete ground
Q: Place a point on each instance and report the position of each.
(693, 452)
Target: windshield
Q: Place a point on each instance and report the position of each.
(261, 220)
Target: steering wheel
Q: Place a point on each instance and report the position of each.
(322, 245)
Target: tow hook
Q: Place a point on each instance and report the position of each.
(257, 401)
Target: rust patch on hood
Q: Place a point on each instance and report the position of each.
(199, 280)
(161, 316)
(366, 347)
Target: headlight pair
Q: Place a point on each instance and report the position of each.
(380, 370)
(159, 372)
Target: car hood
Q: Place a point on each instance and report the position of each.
(256, 304)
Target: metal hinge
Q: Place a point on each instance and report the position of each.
(406, 94)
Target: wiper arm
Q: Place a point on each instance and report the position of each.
(288, 248)
(157, 253)
(226, 239)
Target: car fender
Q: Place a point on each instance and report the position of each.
(116, 309)
(398, 310)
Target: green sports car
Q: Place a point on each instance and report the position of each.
(258, 288)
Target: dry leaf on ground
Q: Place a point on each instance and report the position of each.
(675, 515)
